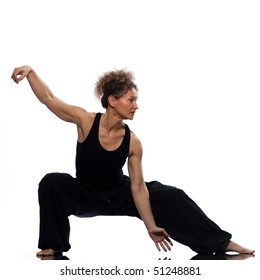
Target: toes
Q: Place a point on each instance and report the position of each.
(47, 252)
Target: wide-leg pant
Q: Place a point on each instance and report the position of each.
(61, 195)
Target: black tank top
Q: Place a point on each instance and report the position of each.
(99, 168)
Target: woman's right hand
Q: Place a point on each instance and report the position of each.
(161, 239)
(20, 72)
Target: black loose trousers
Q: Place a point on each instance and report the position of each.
(61, 195)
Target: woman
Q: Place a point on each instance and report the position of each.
(101, 188)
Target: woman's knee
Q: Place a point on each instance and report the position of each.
(160, 192)
(48, 182)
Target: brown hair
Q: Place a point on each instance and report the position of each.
(115, 83)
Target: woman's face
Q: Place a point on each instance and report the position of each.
(126, 105)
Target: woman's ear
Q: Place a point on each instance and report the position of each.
(111, 101)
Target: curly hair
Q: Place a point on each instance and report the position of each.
(115, 83)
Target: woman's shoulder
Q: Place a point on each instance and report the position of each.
(135, 143)
(87, 123)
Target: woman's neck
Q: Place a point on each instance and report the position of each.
(111, 122)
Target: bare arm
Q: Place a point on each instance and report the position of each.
(141, 196)
(64, 111)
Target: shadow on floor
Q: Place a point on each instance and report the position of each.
(222, 256)
(56, 257)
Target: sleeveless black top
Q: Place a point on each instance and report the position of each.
(96, 166)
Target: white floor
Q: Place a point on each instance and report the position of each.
(112, 242)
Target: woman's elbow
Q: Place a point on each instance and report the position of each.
(137, 189)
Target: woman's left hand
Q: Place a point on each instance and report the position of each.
(161, 238)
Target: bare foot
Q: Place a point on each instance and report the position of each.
(239, 256)
(232, 246)
(46, 252)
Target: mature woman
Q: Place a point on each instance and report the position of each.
(101, 188)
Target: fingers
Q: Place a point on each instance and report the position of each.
(161, 239)
(169, 241)
(20, 73)
(17, 77)
(14, 77)
(164, 244)
(158, 247)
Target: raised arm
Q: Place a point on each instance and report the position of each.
(141, 196)
(64, 111)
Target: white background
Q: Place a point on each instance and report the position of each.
(197, 68)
